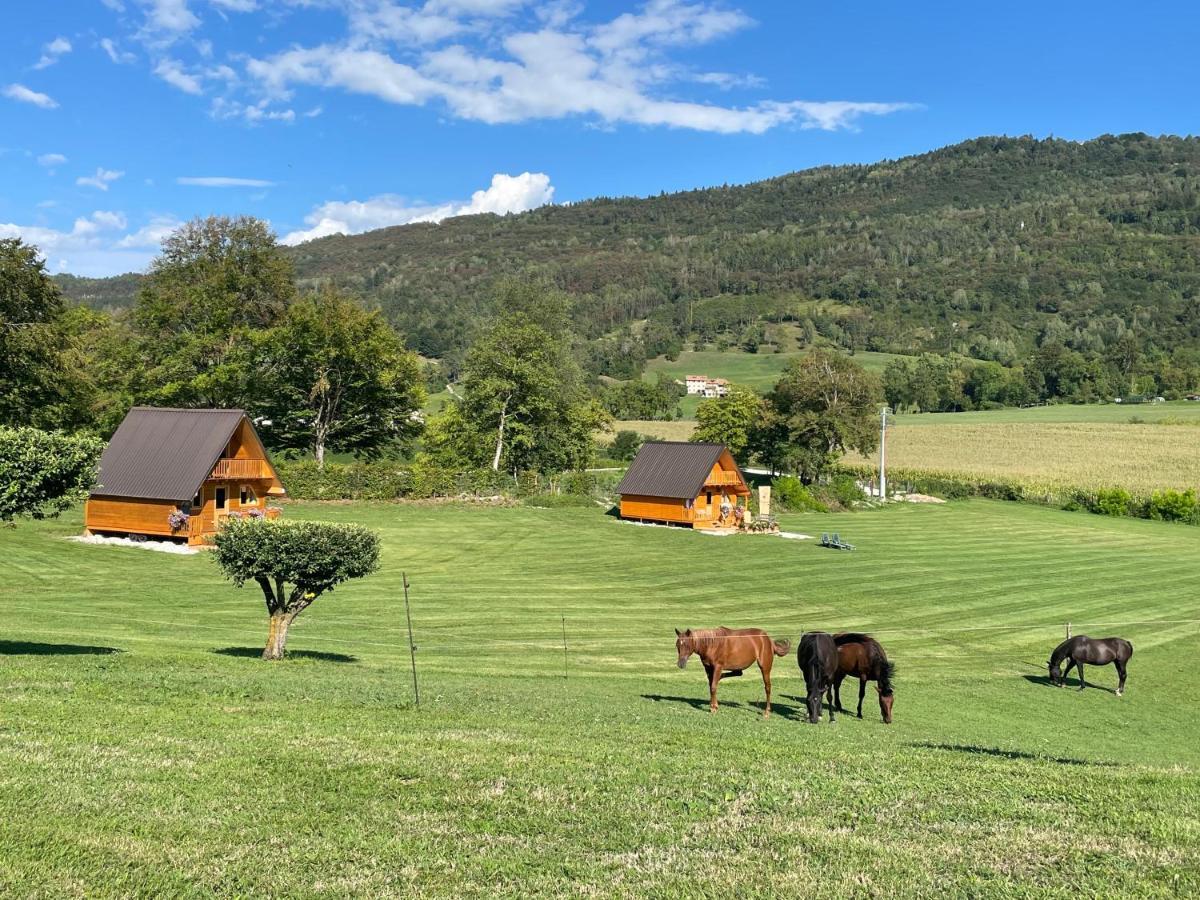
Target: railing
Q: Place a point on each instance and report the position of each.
(241, 468)
(724, 478)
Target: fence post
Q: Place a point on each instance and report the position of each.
(1068, 631)
(412, 648)
(564, 632)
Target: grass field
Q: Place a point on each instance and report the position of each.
(144, 751)
(1082, 446)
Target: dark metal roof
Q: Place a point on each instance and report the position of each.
(676, 469)
(164, 454)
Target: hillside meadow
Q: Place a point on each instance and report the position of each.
(144, 750)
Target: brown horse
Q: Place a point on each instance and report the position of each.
(727, 651)
(861, 656)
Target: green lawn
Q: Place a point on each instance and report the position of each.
(757, 370)
(181, 765)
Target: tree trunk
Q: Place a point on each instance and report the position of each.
(500, 435)
(319, 450)
(277, 635)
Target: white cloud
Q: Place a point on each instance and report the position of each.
(241, 6)
(101, 180)
(92, 246)
(223, 181)
(507, 194)
(23, 94)
(51, 160)
(615, 72)
(252, 113)
(150, 235)
(171, 71)
(57, 48)
(169, 16)
(114, 53)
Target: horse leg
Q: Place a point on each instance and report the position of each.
(1079, 669)
(862, 690)
(1121, 675)
(1066, 672)
(766, 674)
(712, 688)
(829, 697)
(837, 691)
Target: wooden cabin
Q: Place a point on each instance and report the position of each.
(204, 463)
(695, 485)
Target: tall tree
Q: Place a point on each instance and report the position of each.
(730, 420)
(218, 283)
(523, 395)
(35, 385)
(828, 404)
(340, 379)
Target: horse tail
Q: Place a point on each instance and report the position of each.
(781, 647)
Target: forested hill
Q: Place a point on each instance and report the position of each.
(980, 247)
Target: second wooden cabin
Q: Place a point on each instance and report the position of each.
(205, 464)
(681, 483)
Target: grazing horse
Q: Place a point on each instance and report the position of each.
(727, 651)
(862, 656)
(1093, 651)
(818, 660)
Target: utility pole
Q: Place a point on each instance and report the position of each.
(883, 414)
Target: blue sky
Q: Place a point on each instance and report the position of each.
(121, 118)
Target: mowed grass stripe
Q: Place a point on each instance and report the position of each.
(168, 768)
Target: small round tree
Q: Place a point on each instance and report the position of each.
(294, 563)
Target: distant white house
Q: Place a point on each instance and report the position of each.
(704, 386)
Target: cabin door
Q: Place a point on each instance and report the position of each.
(220, 504)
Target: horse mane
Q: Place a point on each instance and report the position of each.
(887, 671)
(704, 637)
(853, 637)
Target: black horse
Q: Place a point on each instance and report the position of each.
(818, 660)
(1093, 651)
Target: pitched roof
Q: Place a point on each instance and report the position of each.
(164, 454)
(676, 469)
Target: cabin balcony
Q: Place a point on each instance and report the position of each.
(723, 479)
(235, 469)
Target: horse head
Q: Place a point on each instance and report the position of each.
(885, 705)
(683, 646)
(1055, 675)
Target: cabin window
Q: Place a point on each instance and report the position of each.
(708, 497)
(689, 503)
(197, 503)
(247, 497)
(221, 498)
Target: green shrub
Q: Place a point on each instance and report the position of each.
(625, 445)
(1111, 502)
(1172, 506)
(788, 493)
(845, 490)
(581, 484)
(43, 473)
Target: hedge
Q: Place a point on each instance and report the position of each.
(420, 480)
(1165, 505)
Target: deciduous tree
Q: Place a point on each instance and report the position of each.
(730, 420)
(340, 379)
(294, 563)
(828, 404)
(202, 311)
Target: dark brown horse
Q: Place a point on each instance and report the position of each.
(1093, 651)
(861, 656)
(818, 660)
(727, 651)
